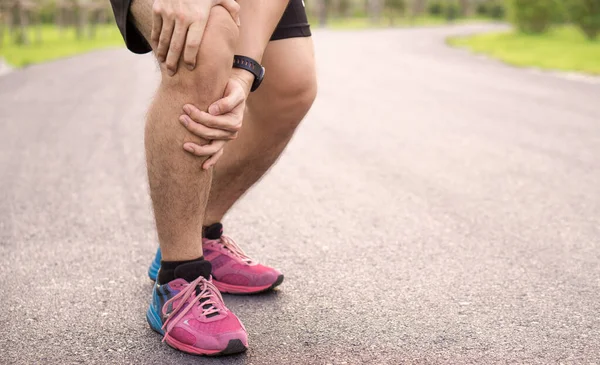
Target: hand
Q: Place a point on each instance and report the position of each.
(220, 125)
(178, 25)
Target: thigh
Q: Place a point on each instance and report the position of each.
(134, 19)
(289, 57)
(290, 68)
(140, 18)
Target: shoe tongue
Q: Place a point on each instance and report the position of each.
(193, 270)
(214, 231)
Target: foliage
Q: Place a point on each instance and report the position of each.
(47, 12)
(532, 16)
(494, 9)
(497, 10)
(395, 5)
(586, 15)
(435, 8)
(482, 8)
(344, 7)
(394, 8)
(452, 10)
(449, 9)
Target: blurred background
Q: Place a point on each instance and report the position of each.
(555, 34)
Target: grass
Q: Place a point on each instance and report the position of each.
(55, 45)
(562, 48)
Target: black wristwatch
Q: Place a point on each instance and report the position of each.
(251, 66)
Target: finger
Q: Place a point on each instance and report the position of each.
(176, 47)
(232, 7)
(225, 105)
(164, 39)
(212, 160)
(228, 122)
(192, 43)
(205, 132)
(157, 24)
(203, 151)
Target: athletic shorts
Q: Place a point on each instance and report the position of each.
(293, 23)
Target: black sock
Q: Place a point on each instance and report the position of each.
(188, 270)
(212, 232)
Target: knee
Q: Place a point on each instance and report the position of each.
(297, 93)
(289, 100)
(302, 93)
(214, 58)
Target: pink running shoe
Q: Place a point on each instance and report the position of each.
(233, 271)
(193, 318)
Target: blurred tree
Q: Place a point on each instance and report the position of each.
(84, 15)
(418, 7)
(395, 8)
(343, 8)
(497, 10)
(19, 11)
(452, 10)
(586, 15)
(22, 16)
(323, 10)
(492, 8)
(375, 8)
(64, 10)
(482, 8)
(465, 7)
(97, 14)
(3, 22)
(81, 17)
(72, 13)
(47, 11)
(436, 8)
(449, 9)
(532, 16)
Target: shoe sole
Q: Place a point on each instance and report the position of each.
(233, 346)
(246, 290)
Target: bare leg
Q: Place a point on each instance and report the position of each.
(273, 113)
(178, 186)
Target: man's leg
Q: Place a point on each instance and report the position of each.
(178, 186)
(186, 307)
(273, 112)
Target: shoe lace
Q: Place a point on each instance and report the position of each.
(207, 296)
(230, 245)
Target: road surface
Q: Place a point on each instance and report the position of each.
(435, 208)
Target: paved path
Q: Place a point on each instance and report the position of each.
(436, 208)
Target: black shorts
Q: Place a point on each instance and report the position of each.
(293, 23)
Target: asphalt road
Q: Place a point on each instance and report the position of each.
(435, 208)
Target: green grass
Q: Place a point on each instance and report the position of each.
(563, 48)
(55, 45)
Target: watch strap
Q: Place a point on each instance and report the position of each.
(251, 66)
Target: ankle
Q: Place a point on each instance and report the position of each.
(168, 269)
(213, 231)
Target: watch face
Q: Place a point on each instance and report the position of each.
(258, 79)
(262, 73)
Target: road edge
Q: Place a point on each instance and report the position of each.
(5, 69)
